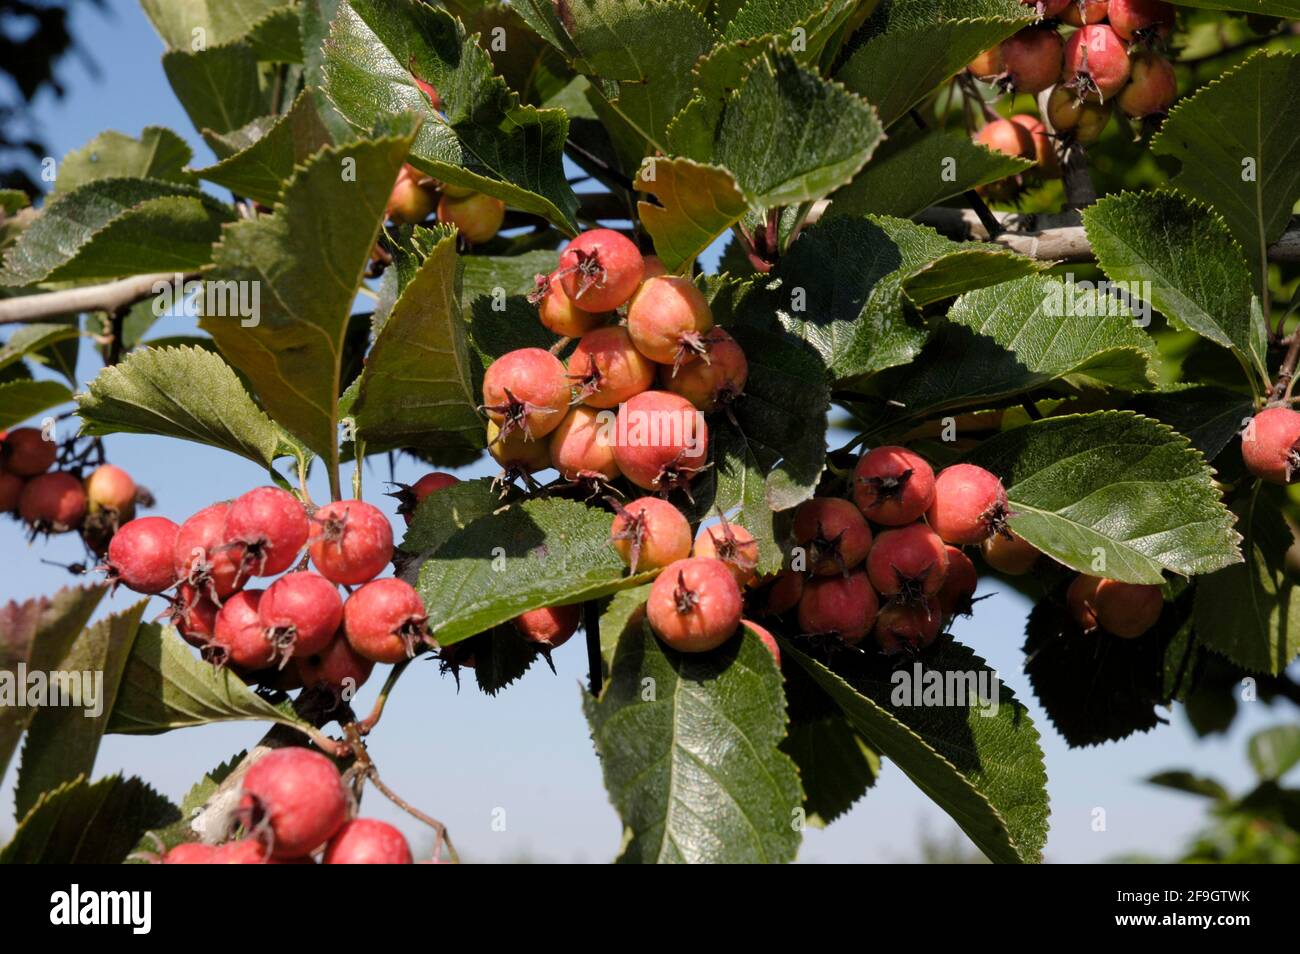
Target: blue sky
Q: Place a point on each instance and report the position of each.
(467, 758)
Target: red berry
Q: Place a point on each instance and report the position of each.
(1152, 89)
(350, 542)
(204, 558)
(297, 797)
(1079, 12)
(1006, 137)
(526, 390)
(833, 533)
(844, 605)
(1033, 59)
(385, 621)
(141, 554)
(190, 853)
(53, 503)
(1270, 445)
(1096, 63)
(1083, 121)
(717, 379)
(367, 841)
(668, 320)
(194, 615)
(694, 605)
(959, 585)
(516, 452)
(11, 489)
(478, 217)
(26, 452)
(907, 627)
(410, 202)
(238, 637)
(582, 447)
(111, 488)
(607, 369)
(1049, 163)
(893, 486)
(662, 441)
(1009, 553)
(766, 638)
(338, 666)
(300, 612)
(600, 269)
(557, 311)
(650, 533)
(246, 851)
(272, 526)
(988, 66)
(549, 626)
(1127, 610)
(969, 506)
(733, 545)
(777, 594)
(1141, 20)
(1079, 600)
(410, 498)
(910, 563)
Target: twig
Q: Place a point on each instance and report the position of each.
(1282, 386)
(366, 725)
(595, 665)
(440, 830)
(109, 297)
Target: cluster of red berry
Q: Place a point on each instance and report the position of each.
(416, 196)
(294, 803)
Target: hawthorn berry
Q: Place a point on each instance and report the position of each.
(558, 313)
(245, 851)
(668, 320)
(238, 636)
(477, 217)
(662, 441)
(733, 545)
(189, 853)
(1083, 122)
(1006, 137)
(368, 841)
(193, 614)
(272, 527)
(893, 486)
(1152, 88)
(714, 382)
(907, 627)
(53, 502)
(110, 488)
(1096, 63)
(548, 626)
(970, 505)
(582, 447)
(295, 798)
(26, 452)
(1270, 445)
(1079, 12)
(205, 559)
(385, 621)
(845, 605)
(766, 638)
(776, 594)
(350, 542)
(909, 563)
(988, 66)
(600, 270)
(526, 390)
(694, 605)
(517, 455)
(1049, 164)
(11, 489)
(954, 597)
(300, 612)
(1032, 59)
(140, 555)
(338, 667)
(1127, 610)
(1141, 20)
(1009, 553)
(654, 267)
(410, 202)
(833, 533)
(649, 534)
(607, 369)
(410, 498)
(1079, 598)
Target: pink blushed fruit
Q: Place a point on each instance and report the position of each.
(1127, 610)
(716, 380)
(1141, 20)
(478, 217)
(1270, 445)
(910, 563)
(300, 612)
(668, 320)
(1009, 553)
(26, 452)
(350, 542)
(294, 796)
(557, 312)
(1096, 63)
(662, 441)
(694, 605)
(1007, 138)
(189, 853)
(766, 638)
(777, 594)
(833, 534)
(1032, 59)
(893, 486)
(649, 534)
(607, 369)
(53, 502)
(140, 555)
(271, 525)
(11, 489)
(582, 447)
(1083, 122)
(907, 627)
(516, 453)
(733, 545)
(969, 506)
(367, 841)
(988, 66)
(1152, 88)
(385, 621)
(843, 605)
(526, 390)
(194, 615)
(1049, 163)
(1079, 597)
(245, 851)
(338, 667)
(238, 637)
(1078, 12)
(600, 270)
(410, 202)
(955, 596)
(410, 498)
(205, 559)
(548, 626)
(111, 488)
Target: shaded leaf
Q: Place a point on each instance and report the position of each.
(22, 400)
(158, 154)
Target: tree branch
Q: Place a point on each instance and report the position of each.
(110, 297)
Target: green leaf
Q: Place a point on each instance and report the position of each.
(441, 515)
(1113, 494)
(501, 657)
(1237, 139)
(981, 765)
(277, 37)
(180, 830)
(1209, 417)
(63, 739)
(908, 47)
(324, 229)
(262, 166)
(1274, 752)
(1190, 784)
(21, 400)
(1179, 256)
(697, 203)
(915, 169)
(111, 228)
(688, 746)
(623, 613)
(217, 21)
(551, 551)
(81, 823)
(417, 389)
(483, 138)
(1250, 612)
(158, 154)
(30, 340)
(36, 635)
(737, 484)
(166, 686)
(13, 201)
(153, 392)
(219, 86)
